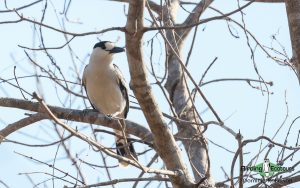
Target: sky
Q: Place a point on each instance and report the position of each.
(242, 107)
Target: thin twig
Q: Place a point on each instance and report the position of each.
(115, 181)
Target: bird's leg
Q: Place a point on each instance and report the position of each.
(113, 116)
(109, 116)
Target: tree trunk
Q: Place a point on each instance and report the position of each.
(164, 141)
(196, 145)
(293, 13)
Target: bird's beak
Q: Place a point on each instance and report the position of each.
(117, 50)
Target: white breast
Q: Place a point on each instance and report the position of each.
(103, 89)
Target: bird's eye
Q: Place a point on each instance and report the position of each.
(109, 46)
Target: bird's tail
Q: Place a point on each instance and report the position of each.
(124, 147)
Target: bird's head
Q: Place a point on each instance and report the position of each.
(105, 50)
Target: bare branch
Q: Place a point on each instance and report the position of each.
(22, 7)
(280, 62)
(49, 165)
(268, 1)
(241, 157)
(115, 181)
(20, 124)
(248, 80)
(98, 145)
(194, 16)
(49, 48)
(4, 184)
(154, 6)
(174, 51)
(163, 139)
(280, 184)
(22, 18)
(199, 22)
(245, 142)
(37, 145)
(292, 9)
(80, 116)
(154, 158)
(181, 98)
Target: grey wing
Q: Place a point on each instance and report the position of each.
(123, 88)
(84, 85)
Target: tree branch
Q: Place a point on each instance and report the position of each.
(180, 98)
(199, 22)
(194, 16)
(280, 184)
(22, 7)
(292, 9)
(268, 1)
(154, 6)
(20, 124)
(22, 18)
(100, 147)
(79, 116)
(115, 181)
(163, 139)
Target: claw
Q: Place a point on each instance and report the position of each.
(109, 116)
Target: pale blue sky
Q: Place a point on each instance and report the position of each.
(242, 106)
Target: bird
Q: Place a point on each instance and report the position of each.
(267, 167)
(107, 91)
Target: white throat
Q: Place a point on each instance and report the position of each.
(101, 58)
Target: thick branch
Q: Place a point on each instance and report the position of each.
(194, 16)
(293, 13)
(179, 95)
(20, 124)
(94, 143)
(163, 139)
(79, 116)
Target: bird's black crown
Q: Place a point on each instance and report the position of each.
(101, 45)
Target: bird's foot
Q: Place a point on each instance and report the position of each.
(109, 116)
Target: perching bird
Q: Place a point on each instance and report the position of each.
(106, 89)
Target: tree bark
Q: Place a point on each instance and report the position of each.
(163, 139)
(196, 146)
(293, 13)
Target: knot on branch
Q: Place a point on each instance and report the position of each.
(239, 136)
(179, 172)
